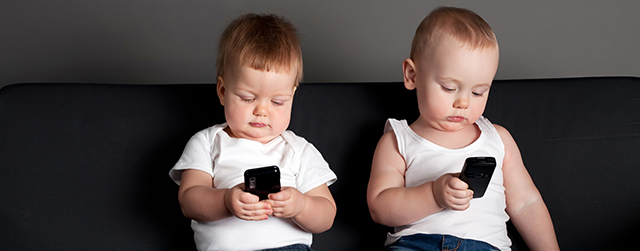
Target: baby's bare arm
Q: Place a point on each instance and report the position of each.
(390, 202)
(525, 205)
(203, 203)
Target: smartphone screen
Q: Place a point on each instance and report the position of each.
(262, 181)
(477, 172)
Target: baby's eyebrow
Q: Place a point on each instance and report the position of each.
(243, 89)
(285, 96)
(448, 79)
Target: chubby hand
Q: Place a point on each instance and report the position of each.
(451, 192)
(245, 205)
(287, 203)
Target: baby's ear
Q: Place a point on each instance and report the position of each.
(409, 72)
(220, 88)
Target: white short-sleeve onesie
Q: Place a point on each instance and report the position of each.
(225, 158)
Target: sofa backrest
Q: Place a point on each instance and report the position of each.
(84, 166)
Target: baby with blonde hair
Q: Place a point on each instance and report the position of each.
(414, 184)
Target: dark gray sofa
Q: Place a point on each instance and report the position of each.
(84, 166)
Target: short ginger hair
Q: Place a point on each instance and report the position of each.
(449, 22)
(262, 42)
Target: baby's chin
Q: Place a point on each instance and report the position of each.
(262, 138)
(262, 134)
(456, 126)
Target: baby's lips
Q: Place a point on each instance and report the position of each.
(258, 124)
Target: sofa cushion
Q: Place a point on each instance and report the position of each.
(84, 166)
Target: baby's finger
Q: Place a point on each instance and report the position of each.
(459, 204)
(262, 205)
(249, 198)
(252, 217)
(284, 212)
(277, 211)
(458, 184)
(257, 211)
(284, 194)
(461, 194)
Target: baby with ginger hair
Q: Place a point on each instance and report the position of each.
(259, 68)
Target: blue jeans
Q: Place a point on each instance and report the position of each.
(438, 242)
(294, 247)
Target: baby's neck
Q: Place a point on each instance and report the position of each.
(234, 136)
(448, 139)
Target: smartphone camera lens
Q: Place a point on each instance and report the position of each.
(252, 183)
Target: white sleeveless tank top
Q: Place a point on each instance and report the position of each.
(486, 218)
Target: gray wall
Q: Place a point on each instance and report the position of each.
(134, 41)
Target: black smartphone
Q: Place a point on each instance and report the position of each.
(262, 181)
(477, 172)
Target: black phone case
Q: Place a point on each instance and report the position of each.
(262, 181)
(477, 172)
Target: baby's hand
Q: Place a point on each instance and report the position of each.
(245, 205)
(287, 203)
(452, 193)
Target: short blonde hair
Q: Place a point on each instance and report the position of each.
(450, 22)
(262, 42)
